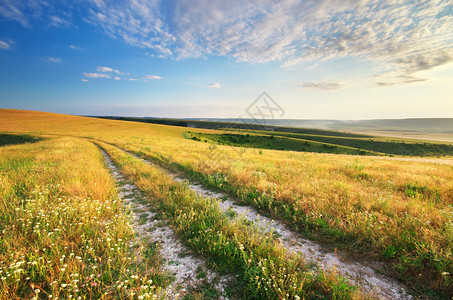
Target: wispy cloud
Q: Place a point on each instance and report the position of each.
(110, 73)
(410, 66)
(6, 45)
(215, 85)
(107, 69)
(138, 22)
(84, 80)
(398, 80)
(74, 47)
(402, 36)
(26, 12)
(15, 10)
(151, 77)
(288, 31)
(321, 85)
(54, 60)
(96, 75)
(57, 21)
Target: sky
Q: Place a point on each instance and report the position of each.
(316, 59)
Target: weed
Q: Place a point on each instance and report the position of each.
(64, 232)
(257, 259)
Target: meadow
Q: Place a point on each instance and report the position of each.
(370, 208)
(64, 232)
(326, 143)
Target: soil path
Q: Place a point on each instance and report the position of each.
(365, 276)
(179, 262)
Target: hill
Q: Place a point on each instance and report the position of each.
(234, 207)
(253, 135)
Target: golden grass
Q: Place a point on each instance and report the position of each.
(397, 211)
(64, 233)
(262, 266)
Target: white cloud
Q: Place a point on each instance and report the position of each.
(321, 85)
(215, 85)
(96, 75)
(106, 72)
(74, 47)
(14, 10)
(84, 80)
(5, 45)
(57, 21)
(151, 77)
(107, 69)
(402, 36)
(54, 60)
(27, 12)
(137, 22)
(288, 31)
(402, 79)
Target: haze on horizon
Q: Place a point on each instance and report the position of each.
(321, 59)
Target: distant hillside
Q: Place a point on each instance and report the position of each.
(405, 127)
(254, 135)
(444, 125)
(248, 124)
(427, 125)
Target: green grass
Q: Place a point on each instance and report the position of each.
(395, 211)
(391, 146)
(325, 143)
(262, 267)
(403, 222)
(275, 142)
(63, 231)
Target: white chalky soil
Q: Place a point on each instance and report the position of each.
(178, 258)
(354, 272)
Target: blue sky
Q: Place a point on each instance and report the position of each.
(318, 59)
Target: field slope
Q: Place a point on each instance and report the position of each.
(397, 211)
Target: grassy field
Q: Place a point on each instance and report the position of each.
(238, 126)
(261, 266)
(394, 211)
(326, 143)
(14, 139)
(398, 212)
(275, 142)
(64, 234)
(421, 129)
